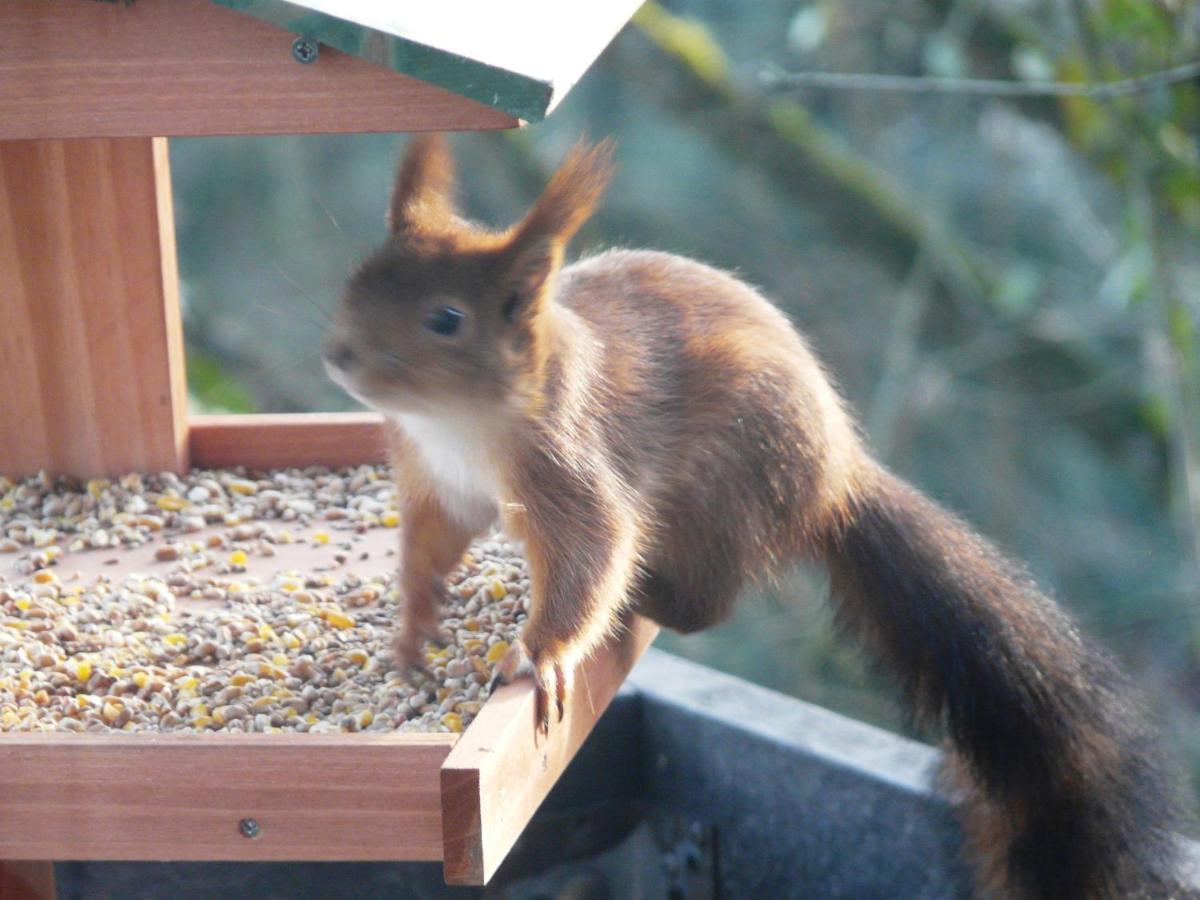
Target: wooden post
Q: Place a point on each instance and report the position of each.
(27, 880)
(91, 345)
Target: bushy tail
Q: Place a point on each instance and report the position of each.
(1064, 792)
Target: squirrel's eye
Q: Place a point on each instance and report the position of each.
(445, 320)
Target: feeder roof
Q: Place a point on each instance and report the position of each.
(520, 57)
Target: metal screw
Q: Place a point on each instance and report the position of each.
(305, 50)
(249, 828)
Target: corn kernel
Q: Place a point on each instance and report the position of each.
(175, 639)
(499, 591)
(83, 671)
(321, 537)
(496, 651)
(141, 679)
(266, 670)
(45, 576)
(453, 721)
(471, 624)
(243, 487)
(365, 718)
(311, 719)
(41, 698)
(236, 587)
(291, 641)
(338, 619)
(189, 684)
(200, 709)
(390, 519)
(291, 585)
(170, 504)
(242, 678)
(22, 603)
(238, 558)
(110, 712)
(358, 657)
(202, 721)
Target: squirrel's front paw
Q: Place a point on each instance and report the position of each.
(550, 679)
(409, 641)
(406, 650)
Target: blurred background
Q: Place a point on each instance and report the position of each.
(1007, 288)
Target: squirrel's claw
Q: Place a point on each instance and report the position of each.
(514, 664)
(560, 694)
(549, 680)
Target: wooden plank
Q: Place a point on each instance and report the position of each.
(273, 441)
(92, 376)
(498, 774)
(27, 880)
(184, 796)
(190, 67)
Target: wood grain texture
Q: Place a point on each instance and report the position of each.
(92, 375)
(190, 67)
(176, 797)
(27, 880)
(302, 439)
(497, 775)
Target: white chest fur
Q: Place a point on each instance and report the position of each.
(456, 451)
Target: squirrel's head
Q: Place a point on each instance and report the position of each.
(447, 312)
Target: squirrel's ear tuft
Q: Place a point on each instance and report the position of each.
(424, 185)
(538, 242)
(572, 194)
(531, 266)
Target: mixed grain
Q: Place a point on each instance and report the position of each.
(210, 634)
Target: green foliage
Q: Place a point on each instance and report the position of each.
(213, 390)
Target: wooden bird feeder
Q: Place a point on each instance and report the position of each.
(92, 384)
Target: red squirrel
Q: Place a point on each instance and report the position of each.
(658, 435)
